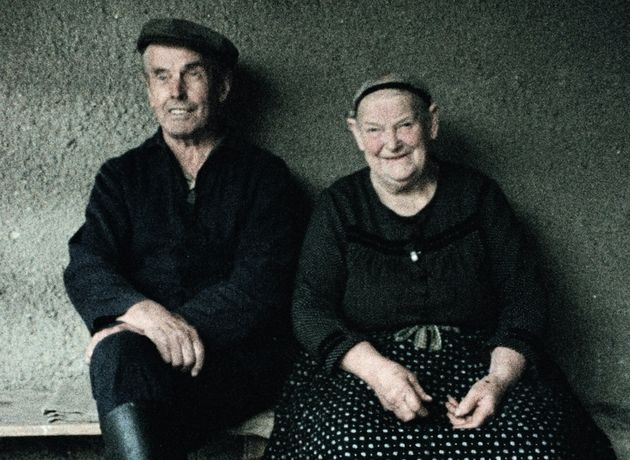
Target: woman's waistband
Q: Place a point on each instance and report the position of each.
(430, 336)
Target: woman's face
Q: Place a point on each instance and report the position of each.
(393, 138)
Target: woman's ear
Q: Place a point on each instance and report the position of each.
(353, 127)
(434, 121)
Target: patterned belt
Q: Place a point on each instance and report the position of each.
(425, 337)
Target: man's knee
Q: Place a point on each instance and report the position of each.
(124, 347)
(127, 367)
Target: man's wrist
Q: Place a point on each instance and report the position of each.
(134, 314)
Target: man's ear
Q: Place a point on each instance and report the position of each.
(434, 121)
(144, 77)
(226, 86)
(353, 127)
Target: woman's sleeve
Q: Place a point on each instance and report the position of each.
(515, 279)
(320, 286)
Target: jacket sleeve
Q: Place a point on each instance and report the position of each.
(94, 277)
(319, 289)
(253, 300)
(515, 280)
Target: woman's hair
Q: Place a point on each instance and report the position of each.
(421, 97)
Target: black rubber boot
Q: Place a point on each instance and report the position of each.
(137, 431)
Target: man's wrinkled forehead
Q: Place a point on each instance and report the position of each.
(159, 56)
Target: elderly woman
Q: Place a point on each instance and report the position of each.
(419, 307)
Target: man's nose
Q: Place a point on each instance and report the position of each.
(177, 88)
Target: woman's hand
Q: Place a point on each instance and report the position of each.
(483, 399)
(479, 405)
(398, 390)
(396, 387)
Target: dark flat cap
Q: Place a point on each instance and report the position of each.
(189, 35)
(391, 81)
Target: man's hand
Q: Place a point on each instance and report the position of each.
(396, 387)
(177, 341)
(479, 405)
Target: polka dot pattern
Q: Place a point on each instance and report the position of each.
(337, 416)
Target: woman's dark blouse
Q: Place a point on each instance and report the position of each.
(472, 267)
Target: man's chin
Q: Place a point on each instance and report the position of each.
(185, 134)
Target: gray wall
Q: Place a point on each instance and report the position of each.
(533, 93)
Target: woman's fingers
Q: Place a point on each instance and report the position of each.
(411, 403)
(404, 413)
(398, 390)
(451, 404)
(476, 408)
(477, 418)
(404, 409)
(419, 396)
(413, 381)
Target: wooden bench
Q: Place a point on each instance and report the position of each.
(21, 416)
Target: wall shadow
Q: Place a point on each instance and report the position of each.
(251, 97)
(476, 150)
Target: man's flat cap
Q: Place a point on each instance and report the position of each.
(189, 35)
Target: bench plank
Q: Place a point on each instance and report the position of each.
(50, 429)
(21, 415)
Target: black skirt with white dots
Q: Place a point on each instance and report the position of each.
(337, 416)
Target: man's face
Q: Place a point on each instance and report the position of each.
(182, 92)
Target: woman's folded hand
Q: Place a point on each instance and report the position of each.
(479, 405)
(398, 390)
(396, 387)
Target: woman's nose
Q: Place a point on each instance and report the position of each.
(391, 139)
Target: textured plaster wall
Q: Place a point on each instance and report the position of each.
(533, 93)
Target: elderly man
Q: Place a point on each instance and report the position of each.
(182, 270)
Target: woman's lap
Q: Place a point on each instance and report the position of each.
(338, 415)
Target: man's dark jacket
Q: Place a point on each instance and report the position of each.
(221, 256)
